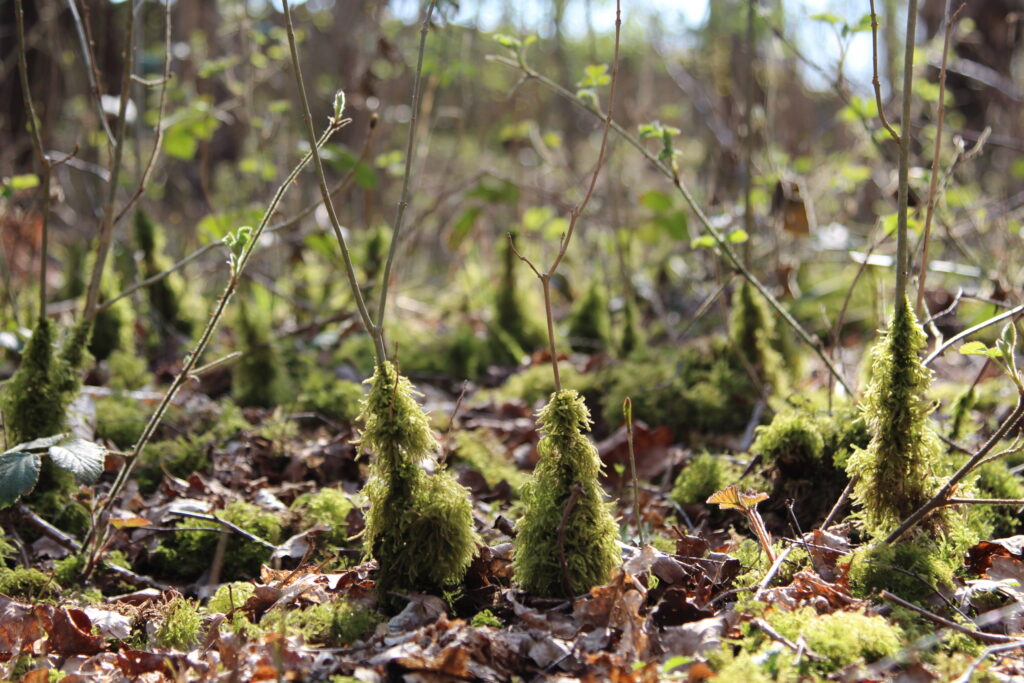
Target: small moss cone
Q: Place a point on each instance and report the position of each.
(590, 324)
(752, 330)
(631, 338)
(165, 294)
(419, 526)
(896, 471)
(510, 313)
(260, 378)
(567, 460)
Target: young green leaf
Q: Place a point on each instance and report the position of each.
(19, 472)
(82, 458)
(977, 348)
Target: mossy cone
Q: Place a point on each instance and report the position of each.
(568, 462)
(896, 470)
(419, 526)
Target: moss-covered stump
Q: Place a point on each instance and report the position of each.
(419, 526)
(566, 539)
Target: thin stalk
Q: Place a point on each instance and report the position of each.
(903, 194)
(373, 330)
(627, 411)
(748, 141)
(403, 201)
(933, 185)
(99, 532)
(106, 234)
(874, 76)
(37, 146)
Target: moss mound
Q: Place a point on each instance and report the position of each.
(568, 469)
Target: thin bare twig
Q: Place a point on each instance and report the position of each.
(234, 528)
(940, 115)
(980, 636)
(1013, 312)
(874, 75)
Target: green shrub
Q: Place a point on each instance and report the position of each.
(568, 462)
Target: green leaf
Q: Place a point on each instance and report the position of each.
(649, 130)
(738, 236)
(19, 472)
(463, 226)
(25, 181)
(510, 42)
(588, 96)
(826, 17)
(39, 445)
(82, 458)
(595, 75)
(977, 348)
(704, 241)
(656, 201)
(339, 104)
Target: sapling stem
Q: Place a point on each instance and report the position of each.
(627, 411)
(874, 76)
(903, 193)
(106, 234)
(37, 146)
(940, 115)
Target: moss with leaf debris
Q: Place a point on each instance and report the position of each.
(329, 507)
(188, 552)
(913, 570)
(419, 526)
(896, 472)
(568, 469)
(841, 638)
(482, 451)
(230, 596)
(333, 624)
(180, 627)
(27, 584)
(702, 476)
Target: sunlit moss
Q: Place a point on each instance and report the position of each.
(842, 638)
(120, 419)
(896, 472)
(482, 451)
(165, 295)
(330, 507)
(230, 596)
(419, 526)
(511, 314)
(568, 469)
(180, 627)
(333, 624)
(27, 584)
(259, 378)
(590, 323)
(911, 569)
(702, 476)
(752, 330)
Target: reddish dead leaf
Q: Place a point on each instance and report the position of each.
(651, 450)
(19, 627)
(979, 558)
(69, 631)
(132, 522)
(138, 662)
(37, 676)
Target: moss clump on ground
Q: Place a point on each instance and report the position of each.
(165, 294)
(329, 507)
(700, 388)
(27, 584)
(127, 371)
(752, 331)
(896, 568)
(842, 638)
(230, 596)
(511, 315)
(536, 383)
(482, 451)
(702, 476)
(568, 469)
(896, 472)
(332, 624)
(259, 378)
(120, 420)
(187, 553)
(995, 480)
(960, 413)
(486, 618)
(419, 526)
(590, 323)
(631, 337)
(35, 399)
(325, 394)
(180, 627)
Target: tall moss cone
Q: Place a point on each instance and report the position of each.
(260, 378)
(568, 461)
(32, 401)
(510, 312)
(752, 330)
(590, 324)
(165, 294)
(897, 470)
(419, 526)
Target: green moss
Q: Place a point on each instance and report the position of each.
(67, 571)
(896, 472)
(332, 624)
(27, 584)
(180, 627)
(755, 563)
(327, 506)
(878, 567)
(114, 326)
(568, 462)
(53, 502)
(511, 315)
(842, 638)
(482, 450)
(702, 476)
(259, 378)
(752, 330)
(961, 412)
(187, 553)
(128, 371)
(33, 405)
(120, 419)
(419, 526)
(230, 596)
(631, 337)
(590, 324)
(165, 294)
(743, 666)
(485, 618)
(334, 398)
(792, 439)
(536, 383)
(995, 480)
